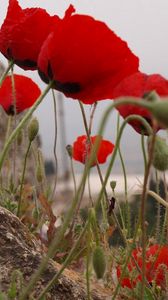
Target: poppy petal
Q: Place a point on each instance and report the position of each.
(26, 92)
(85, 55)
(139, 85)
(23, 33)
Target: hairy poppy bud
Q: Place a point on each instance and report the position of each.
(69, 150)
(160, 154)
(33, 129)
(39, 173)
(159, 110)
(40, 170)
(99, 262)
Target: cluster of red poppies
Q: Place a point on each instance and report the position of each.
(81, 56)
(156, 267)
(86, 61)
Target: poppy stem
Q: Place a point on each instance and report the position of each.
(21, 124)
(10, 65)
(127, 208)
(22, 180)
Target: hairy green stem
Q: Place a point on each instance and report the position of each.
(11, 63)
(143, 150)
(142, 214)
(55, 144)
(22, 180)
(127, 212)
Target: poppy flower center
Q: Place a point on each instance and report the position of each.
(65, 87)
(22, 63)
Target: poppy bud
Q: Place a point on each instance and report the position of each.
(160, 154)
(33, 129)
(93, 222)
(113, 185)
(39, 173)
(159, 110)
(69, 150)
(99, 262)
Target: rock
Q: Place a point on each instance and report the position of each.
(19, 250)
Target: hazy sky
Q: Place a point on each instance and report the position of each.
(143, 24)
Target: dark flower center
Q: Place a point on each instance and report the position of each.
(22, 63)
(11, 110)
(65, 87)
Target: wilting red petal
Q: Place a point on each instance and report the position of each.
(85, 59)
(81, 149)
(156, 267)
(138, 85)
(26, 93)
(23, 33)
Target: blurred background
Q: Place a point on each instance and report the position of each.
(144, 25)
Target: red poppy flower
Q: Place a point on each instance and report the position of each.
(25, 92)
(139, 85)
(156, 267)
(23, 33)
(85, 58)
(81, 149)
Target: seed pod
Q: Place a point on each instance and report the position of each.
(99, 262)
(160, 154)
(33, 129)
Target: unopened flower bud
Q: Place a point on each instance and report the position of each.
(160, 154)
(39, 173)
(69, 150)
(99, 262)
(33, 129)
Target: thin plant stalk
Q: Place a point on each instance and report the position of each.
(15, 121)
(159, 199)
(73, 175)
(92, 117)
(143, 150)
(22, 124)
(127, 212)
(143, 210)
(10, 65)
(89, 190)
(88, 265)
(9, 121)
(158, 208)
(55, 143)
(166, 213)
(67, 261)
(22, 179)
